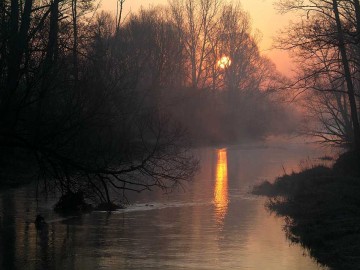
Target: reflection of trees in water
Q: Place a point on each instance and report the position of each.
(42, 248)
(51, 247)
(321, 211)
(8, 232)
(188, 233)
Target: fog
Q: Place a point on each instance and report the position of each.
(97, 106)
(104, 96)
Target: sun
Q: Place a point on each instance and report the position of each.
(224, 62)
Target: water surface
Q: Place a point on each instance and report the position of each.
(213, 224)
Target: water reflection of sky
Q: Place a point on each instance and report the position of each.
(215, 224)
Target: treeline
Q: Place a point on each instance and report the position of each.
(325, 42)
(180, 50)
(97, 104)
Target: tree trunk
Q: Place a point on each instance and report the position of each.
(51, 52)
(357, 13)
(13, 56)
(349, 82)
(75, 45)
(119, 12)
(48, 66)
(18, 45)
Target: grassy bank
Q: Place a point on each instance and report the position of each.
(322, 210)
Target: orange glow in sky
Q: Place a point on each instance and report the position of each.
(264, 16)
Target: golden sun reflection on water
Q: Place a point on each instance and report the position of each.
(221, 186)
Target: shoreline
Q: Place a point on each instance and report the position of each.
(321, 207)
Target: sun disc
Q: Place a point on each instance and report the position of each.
(224, 62)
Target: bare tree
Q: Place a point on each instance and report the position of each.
(119, 13)
(96, 137)
(196, 21)
(348, 78)
(237, 42)
(324, 41)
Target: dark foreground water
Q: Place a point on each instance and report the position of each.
(213, 224)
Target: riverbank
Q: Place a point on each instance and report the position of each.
(321, 207)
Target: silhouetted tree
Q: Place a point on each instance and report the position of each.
(326, 44)
(69, 104)
(195, 22)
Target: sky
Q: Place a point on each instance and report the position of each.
(264, 16)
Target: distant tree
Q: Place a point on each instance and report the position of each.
(155, 44)
(248, 69)
(119, 13)
(195, 22)
(210, 30)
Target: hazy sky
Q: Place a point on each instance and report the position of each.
(262, 12)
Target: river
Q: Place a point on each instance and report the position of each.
(211, 223)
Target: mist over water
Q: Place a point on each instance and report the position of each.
(213, 224)
(120, 108)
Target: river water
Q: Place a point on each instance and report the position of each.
(213, 224)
